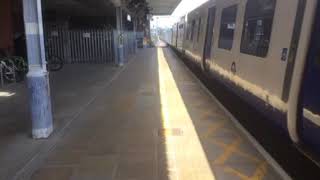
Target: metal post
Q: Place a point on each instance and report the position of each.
(38, 77)
(119, 37)
(135, 35)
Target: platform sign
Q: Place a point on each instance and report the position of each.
(86, 35)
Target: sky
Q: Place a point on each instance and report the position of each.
(183, 8)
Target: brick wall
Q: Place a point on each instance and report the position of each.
(6, 31)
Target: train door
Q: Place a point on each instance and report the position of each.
(310, 129)
(266, 42)
(209, 37)
(224, 52)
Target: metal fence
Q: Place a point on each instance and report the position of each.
(91, 46)
(129, 42)
(87, 45)
(56, 41)
(81, 45)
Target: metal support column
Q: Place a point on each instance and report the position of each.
(135, 35)
(119, 37)
(38, 77)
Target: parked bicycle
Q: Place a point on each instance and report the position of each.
(21, 67)
(54, 63)
(7, 71)
(15, 68)
(12, 69)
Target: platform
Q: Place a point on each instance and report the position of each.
(71, 89)
(152, 120)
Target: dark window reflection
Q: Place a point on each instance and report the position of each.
(227, 27)
(318, 61)
(192, 29)
(257, 27)
(199, 30)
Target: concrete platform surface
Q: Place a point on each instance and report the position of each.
(71, 89)
(153, 121)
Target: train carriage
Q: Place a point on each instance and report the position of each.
(267, 52)
(194, 39)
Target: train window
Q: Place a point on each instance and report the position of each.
(188, 31)
(199, 30)
(210, 30)
(192, 29)
(318, 61)
(227, 27)
(257, 27)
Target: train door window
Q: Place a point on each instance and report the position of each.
(199, 30)
(318, 61)
(257, 27)
(192, 29)
(180, 30)
(189, 30)
(227, 27)
(210, 29)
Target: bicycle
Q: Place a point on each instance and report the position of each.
(13, 68)
(21, 67)
(7, 70)
(54, 63)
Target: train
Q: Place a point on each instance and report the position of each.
(265, 51)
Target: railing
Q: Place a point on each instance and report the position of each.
(91, 46)
(87, 45)
(80, 45)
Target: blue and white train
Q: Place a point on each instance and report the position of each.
(267, 51)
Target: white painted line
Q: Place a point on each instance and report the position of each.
(254, 142)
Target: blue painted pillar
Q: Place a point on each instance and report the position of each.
(38, 77)
(119, 37)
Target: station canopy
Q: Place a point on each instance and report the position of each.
(163, 7)
(80, 7)
(106, 7)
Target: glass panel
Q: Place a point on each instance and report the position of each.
(192, 29)
(188, 31)
(210, 31)
(199, 30)
(257, 27)
(227, 27)
(317, 60)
